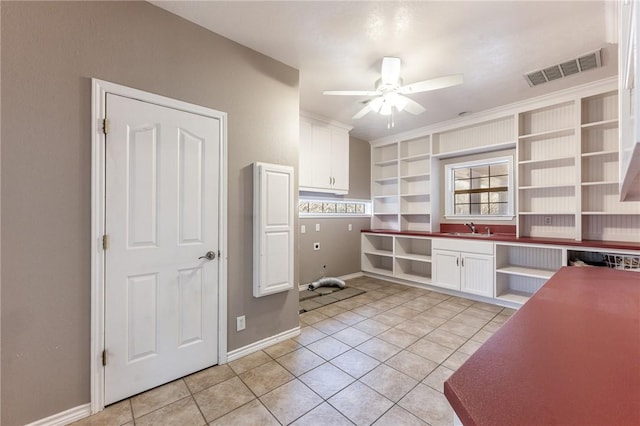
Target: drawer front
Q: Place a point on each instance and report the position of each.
(463, 245)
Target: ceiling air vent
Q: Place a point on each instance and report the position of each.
(582, 63)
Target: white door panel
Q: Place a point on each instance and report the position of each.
(161, 301)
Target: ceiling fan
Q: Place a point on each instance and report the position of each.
(389, 93)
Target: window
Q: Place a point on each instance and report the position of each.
(308, 207)
(480, 189)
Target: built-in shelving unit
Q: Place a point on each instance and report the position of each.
(521, 270)
(401, 185)
(377, 253)
(407, 258)
(547, 171)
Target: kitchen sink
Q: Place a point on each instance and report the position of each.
(469, 234)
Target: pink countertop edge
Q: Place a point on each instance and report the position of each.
(510, 238)
(570, 355)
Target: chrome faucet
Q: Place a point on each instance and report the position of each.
(471, 226)
(488, 230)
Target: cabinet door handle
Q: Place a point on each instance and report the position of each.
(457, 262)
(463, 262)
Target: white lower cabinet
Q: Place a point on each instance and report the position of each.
(470, 271)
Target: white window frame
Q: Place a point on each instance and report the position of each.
(449, 189)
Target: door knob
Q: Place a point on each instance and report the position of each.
(210, 256)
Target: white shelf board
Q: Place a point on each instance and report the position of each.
(416, 176)
(600, 153)
(548, 133)
(546, 160)
(591, 213)
(386, 180)
(415, 157)
(414, 214)
(386, 162)
(527, 272)
(416, 194)
(385, 196)
(520, 297)
(380, 271)
(564, 185)
(601, 183)
(418, 257)
(385, 253)
(546, 213)
(413, 277)
(604, 123)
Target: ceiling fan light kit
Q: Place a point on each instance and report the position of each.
(389, 95)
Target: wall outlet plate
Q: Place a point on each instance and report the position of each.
(547, 220)
(303, 229)
(241, 323)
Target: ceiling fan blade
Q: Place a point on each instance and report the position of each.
(412, 106)
(350, 92)
(390, 73)
(364, 111)
(433, 84)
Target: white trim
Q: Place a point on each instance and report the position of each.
(65, 417)
(325, 120)
(588, 89)
(99, 91)
(261, 344)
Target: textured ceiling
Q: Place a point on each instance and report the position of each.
(339, 45)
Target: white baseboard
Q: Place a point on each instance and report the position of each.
(303, 287)
(261, 344)
(65, 417)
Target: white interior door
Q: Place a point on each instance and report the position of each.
(161, 291)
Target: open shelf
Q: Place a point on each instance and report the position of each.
(549, 134)
(607, 124)
(527, 272)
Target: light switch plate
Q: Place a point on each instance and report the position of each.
(241, 323)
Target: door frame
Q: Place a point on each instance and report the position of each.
(99, 90)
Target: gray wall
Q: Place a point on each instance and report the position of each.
(50, 50)
(339, 247)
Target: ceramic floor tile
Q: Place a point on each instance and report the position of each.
(355, 363)
(445, 338)
(179, 413)
(437, 378)
(389, 382)
(501, 318)
(404, 312)
(387, 318)
(470, 347)
(460, 301)
(266, 377)
(250, 361)
(441, 312)
(366, 311)
(312, 317)
(330, 326)
(282, 348)
(360, 404)
(487, 307)
(220, 399)
(323, 415)
(352, 336)
(481, 336)
(309, 335)
(412, 365)
(300, 361)
(326, 380)
(291, 401)
(492, 326)
(378, 349)
(470, 320)
(331, 310)
(456, 360)
(427, 319)
(397, 337)
(382, 304)
(209, 377)
(418, 305)
(416, 327)
(328, 347)
(115, 414)
(159, 397)
(398, 416)
(371, 327)
(480, 313)
(450, 305)
(428, 405)
(349, 304)
(251, 414)
(349, 318)
(459, 329)
(430, 350)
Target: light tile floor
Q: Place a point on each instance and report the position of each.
(378, 358)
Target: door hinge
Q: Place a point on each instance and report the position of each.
(104, 357)
(105, 242)
(105, 126)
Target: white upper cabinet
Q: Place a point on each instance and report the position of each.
(629, 75)
(324, 156)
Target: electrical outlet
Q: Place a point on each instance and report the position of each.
(317, 227)
(316, 246)
(350, 227)
(241, 323)
(547, 220)
(303, 229)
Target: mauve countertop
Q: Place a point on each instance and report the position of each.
(569, 356)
